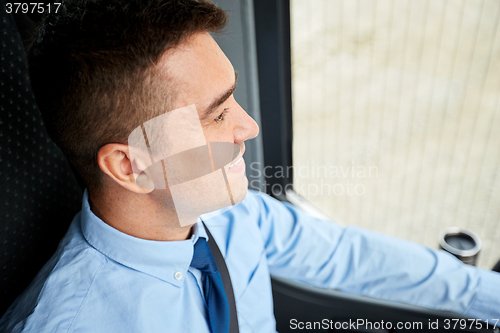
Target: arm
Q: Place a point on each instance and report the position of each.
(359, 261)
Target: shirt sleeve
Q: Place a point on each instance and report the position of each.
(359, 261)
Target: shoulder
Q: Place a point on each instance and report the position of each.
(53, 300)
(257, 204)
(252, 209)
(264, 209)
(245, 222)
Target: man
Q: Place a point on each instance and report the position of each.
(104, 70)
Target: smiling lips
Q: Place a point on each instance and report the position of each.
(237, 162)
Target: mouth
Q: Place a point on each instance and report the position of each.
(238, 161)
(238, 158)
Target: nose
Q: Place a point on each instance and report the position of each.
(246, 128)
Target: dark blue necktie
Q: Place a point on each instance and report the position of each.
(215, 295)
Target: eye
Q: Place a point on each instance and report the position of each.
(220, 117)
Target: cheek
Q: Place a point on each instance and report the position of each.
(221, 132)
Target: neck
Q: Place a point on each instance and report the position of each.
(138, 215)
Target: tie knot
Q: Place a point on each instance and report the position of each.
(203, 258)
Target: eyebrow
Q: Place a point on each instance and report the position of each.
(221, 99)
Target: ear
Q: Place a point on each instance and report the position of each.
(114, 160)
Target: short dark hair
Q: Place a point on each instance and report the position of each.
(92, 69)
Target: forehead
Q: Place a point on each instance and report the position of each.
(198, 71)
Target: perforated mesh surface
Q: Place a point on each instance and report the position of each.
(38, 193)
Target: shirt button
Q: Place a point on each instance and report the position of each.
(178, 275)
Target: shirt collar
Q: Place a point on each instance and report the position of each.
(161, 259)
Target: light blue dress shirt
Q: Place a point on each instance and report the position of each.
(102, 280)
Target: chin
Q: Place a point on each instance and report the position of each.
(205, 194)
(239, 188)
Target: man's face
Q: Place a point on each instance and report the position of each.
(204, 80)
